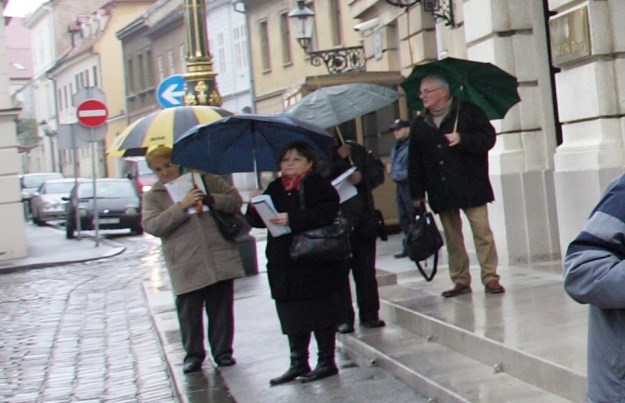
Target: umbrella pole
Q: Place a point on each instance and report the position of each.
(342, 139)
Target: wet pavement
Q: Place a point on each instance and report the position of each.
(105, 329)
(80, 331)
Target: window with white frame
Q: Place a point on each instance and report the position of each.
(221, 52)
(160, 67)
(171, 63)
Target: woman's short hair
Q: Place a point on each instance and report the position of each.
(160, 151)
(302, 148)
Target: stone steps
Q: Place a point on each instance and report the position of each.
(522, 346)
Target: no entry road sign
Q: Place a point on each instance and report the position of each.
(92, 113)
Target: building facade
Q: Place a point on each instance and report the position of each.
(12, 240)
(556, 150)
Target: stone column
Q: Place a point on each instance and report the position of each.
(512, 35)
(591, 93)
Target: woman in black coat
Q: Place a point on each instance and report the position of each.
(305, 293)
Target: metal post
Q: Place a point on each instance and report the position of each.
(77, 212)
(95, 194)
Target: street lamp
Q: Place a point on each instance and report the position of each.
(201, 88)
(337, 60)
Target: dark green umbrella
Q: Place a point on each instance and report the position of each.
(482, 84)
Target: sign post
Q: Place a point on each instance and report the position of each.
(93, 113)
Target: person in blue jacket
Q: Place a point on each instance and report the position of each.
(594, 274)
(399, 175)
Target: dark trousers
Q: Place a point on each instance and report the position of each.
(405, 209)
(363, 271)
(218, 301)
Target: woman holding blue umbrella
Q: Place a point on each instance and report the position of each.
(305, 293)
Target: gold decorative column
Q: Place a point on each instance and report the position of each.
(201, 86)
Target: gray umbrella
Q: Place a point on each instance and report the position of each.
(330, 106)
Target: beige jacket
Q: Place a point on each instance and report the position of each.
(195, 253)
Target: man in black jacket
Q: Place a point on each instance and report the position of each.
(448, 160)
(360, 210)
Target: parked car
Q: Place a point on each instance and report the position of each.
(29, 183)
(118, 203)
(47, 202)
(137, 170)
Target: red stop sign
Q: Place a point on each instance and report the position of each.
(92, 113)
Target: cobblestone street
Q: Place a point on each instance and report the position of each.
(83, 332)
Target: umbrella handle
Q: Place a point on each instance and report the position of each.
(342, 139)
(457, 114)
(199, 205)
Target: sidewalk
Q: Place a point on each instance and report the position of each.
(49, 247)
(262, 353)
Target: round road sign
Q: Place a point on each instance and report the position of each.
(92, 113)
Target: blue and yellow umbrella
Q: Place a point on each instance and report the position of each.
(162, 127)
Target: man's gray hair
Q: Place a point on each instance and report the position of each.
(439, 80)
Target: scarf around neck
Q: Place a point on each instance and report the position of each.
(293, 182)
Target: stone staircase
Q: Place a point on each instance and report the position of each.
(527, 345)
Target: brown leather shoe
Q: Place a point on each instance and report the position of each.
(458, 289)
(493, 287)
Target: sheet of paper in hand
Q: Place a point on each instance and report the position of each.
(179, 187)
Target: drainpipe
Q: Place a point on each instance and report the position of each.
(242, 10)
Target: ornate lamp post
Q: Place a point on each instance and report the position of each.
(337, 60)
(201, 86)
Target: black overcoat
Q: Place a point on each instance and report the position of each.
(453, 177)
(305, 293)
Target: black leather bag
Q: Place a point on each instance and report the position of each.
(423, 241)
(231, 225)
(325, 244)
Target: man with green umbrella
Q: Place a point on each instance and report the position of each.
(448, 160)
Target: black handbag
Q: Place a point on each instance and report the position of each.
(325, 244)
(423, 241)
(230, 225)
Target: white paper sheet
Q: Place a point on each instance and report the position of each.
(344, 187)
(265, 208)
(179, 187)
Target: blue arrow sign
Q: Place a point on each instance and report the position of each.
(171, 91)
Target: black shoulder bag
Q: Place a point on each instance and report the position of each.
(230, 225)
(325, 244)
(423, 240)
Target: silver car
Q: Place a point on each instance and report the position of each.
(47, 204)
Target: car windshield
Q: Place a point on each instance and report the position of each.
(109, 189)
(34, 181)
(59, 187)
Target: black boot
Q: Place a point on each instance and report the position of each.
(325, 364)
(299, 359)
